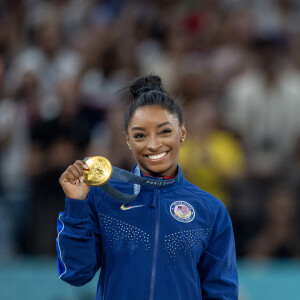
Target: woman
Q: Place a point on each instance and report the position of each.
(170, 243)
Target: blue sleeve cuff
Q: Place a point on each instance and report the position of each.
(76, 209)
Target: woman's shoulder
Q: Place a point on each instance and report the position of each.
(203, 198)
(212, 210)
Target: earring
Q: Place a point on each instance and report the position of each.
(182, 140)
(129, 147)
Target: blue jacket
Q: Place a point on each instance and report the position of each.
(170, 243)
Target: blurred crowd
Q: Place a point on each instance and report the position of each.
(233, 64)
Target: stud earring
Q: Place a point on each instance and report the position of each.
(182, 140)
(129, 147)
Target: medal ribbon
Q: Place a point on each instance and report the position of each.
(137, 180)
(134, 178)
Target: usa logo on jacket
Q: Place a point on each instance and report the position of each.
(182, 211)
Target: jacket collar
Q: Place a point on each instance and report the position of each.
(178, 179)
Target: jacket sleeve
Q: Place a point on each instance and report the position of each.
(78, 241)
(217, 267)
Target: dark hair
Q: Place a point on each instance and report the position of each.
(146, 91)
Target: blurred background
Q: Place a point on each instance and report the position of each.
(235, 67)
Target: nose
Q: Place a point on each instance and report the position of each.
(154, 143)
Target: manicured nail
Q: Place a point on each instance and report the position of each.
(81, 178)
(85, 167)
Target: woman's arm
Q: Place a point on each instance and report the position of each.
(217, 267)
(78, 241)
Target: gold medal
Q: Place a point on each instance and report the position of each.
(99, 172)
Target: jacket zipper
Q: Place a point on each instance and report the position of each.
(155, 251)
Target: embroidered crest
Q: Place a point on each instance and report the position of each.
(182, 211)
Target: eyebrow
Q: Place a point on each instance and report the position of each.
(158, 126)
(137, 128)
(163, 124)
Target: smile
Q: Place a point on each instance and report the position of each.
(157, 156)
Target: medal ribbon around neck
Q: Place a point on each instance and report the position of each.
(100, 171)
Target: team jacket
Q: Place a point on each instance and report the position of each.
(172, 243)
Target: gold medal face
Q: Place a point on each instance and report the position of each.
(99, 172)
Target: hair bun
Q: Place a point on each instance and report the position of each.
(151, 82)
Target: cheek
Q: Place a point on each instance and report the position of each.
(176, 149)
(138, 157)
(136, 149)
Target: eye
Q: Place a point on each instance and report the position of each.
(138, 135)
(165, 131)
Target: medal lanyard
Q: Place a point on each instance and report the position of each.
(136, 180)
(100, 170)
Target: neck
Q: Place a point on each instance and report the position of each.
(162, 177)
(168, 174)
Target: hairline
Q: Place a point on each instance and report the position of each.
(156, 104)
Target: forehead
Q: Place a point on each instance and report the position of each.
(152, 115)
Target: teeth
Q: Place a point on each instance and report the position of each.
(158, 156)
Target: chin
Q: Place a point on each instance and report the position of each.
(159, 170)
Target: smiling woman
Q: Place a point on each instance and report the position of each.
(154, 126)
(174, 242)
(154, 136)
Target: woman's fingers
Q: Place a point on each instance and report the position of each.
(81, 166)
(72, 181)
(74, 173)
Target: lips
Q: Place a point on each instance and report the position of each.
(156, 157)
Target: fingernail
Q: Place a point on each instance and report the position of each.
(77, 182)
(81, 179)
(85, 167)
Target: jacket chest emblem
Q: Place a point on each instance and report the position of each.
(182, 211)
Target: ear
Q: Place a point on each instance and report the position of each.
(127, 141)
(182, 133)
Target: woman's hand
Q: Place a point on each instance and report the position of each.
(72, 181)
